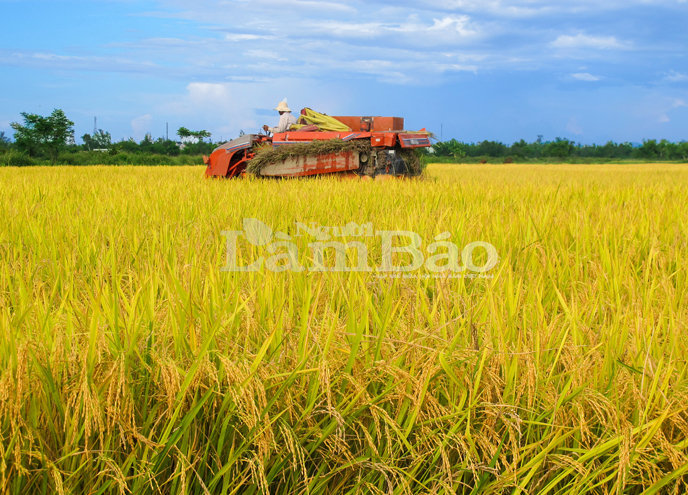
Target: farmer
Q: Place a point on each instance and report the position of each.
(285, 121)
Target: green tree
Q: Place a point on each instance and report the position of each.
(520, 149)
(490, 148)
(183, 133)
(146, 144)
(201, 135)
(99, 140)
(43, 135)
(611, 150)
(127, 146)
(451, 148)
(4, 141)
(440, 148)
(649, 149)
(196, 136)
(163, 146)
(559, 148)
(668, 150)
(682, 150)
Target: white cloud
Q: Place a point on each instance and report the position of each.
(235, 37)
(222, 108)
(458, 25)
(208, 93)
(320, 40)
(497, 8)
(656, 106)
(316, 44)
(141, 125)
(265, 54)
(309, 6)
(226, 108)
(673, 76)
(585, 76)
(574, 127)
(533, 8)
(45, 59)
(439, 31)
(581, 40)
(401, 42)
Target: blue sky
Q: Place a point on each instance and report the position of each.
(586, 70)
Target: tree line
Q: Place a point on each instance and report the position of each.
(50, 139)
(560, 149)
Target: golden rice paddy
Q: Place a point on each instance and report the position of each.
(131, 362)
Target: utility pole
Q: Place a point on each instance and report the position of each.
(95, 125)
(167, 131)
(441, 132)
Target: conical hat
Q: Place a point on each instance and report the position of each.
(282, 106)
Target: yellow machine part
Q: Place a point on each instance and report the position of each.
(324, 122)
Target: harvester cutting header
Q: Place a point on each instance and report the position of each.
(317, 144)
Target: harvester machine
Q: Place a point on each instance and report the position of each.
(374, 147)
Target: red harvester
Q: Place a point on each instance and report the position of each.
(373, 146)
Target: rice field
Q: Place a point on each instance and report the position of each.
(135, 357)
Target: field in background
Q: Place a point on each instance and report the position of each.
(129, 362)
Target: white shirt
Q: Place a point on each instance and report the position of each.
(286, 120)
